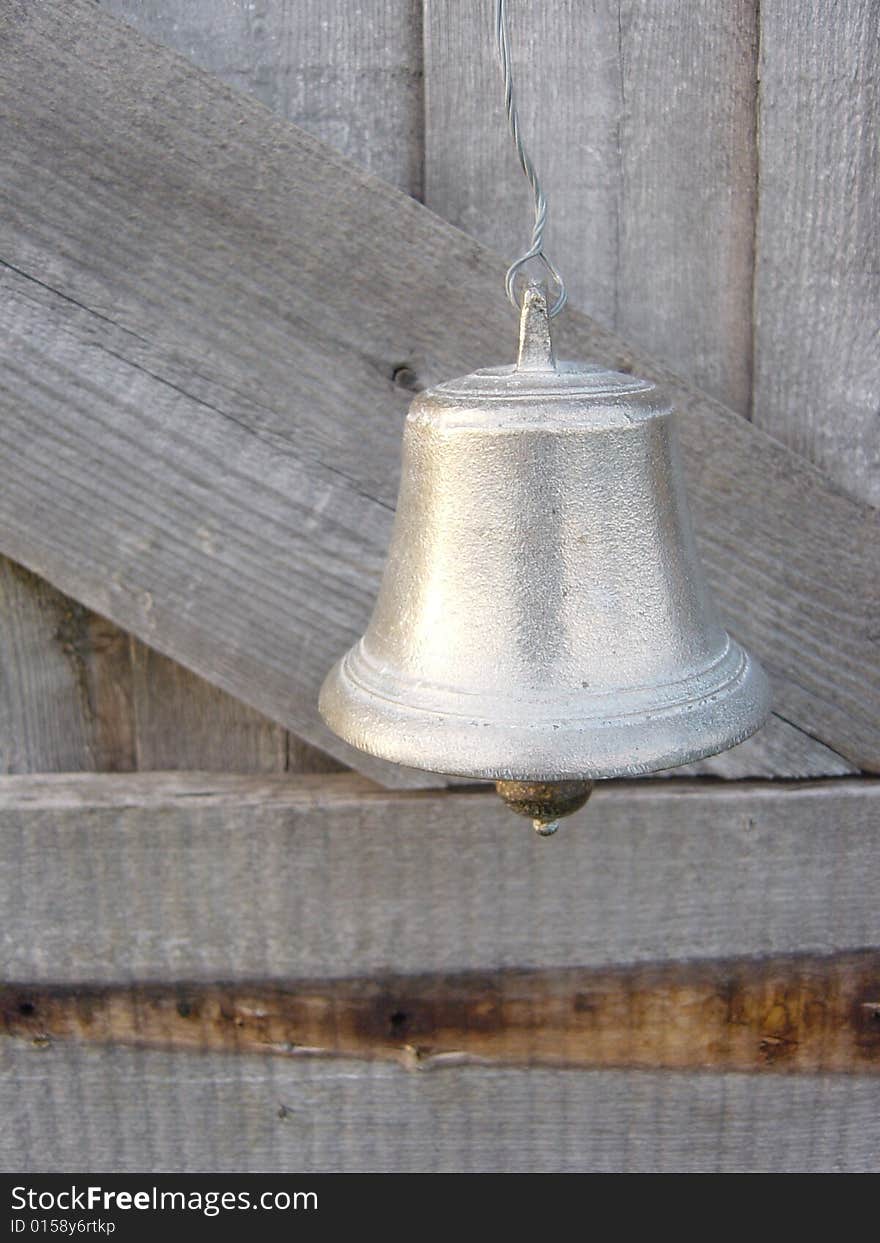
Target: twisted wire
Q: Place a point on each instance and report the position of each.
(536, 249)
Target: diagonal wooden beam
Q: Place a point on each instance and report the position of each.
(211, 325)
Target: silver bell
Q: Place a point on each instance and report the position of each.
(543, 619)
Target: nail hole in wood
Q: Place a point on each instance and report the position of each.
(403, 376)
(397, 1021)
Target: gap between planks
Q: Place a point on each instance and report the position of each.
(69, 791)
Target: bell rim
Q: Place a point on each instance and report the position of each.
(627, 745)
(719, 674)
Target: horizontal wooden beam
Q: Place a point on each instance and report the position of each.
(791, 1014)
(211, 324)
(70, 1105)
(179, 876)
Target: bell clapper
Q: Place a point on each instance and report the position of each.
(544, 802)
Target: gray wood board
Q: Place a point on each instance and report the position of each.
(182, 721)
(641, 120)
(79, 694)
(263, 607)
(65, 682)
(196, 876)
(778, 750)
(73, 1107)
(351, 76)
(357, 85)
(209, 335)
(817, 280)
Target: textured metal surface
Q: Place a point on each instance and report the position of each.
(543, 614)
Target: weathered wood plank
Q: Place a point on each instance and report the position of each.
(354, 84)
(642, 122)
(353, 79)
(69, 1107)
(817, 283)
(65, 682)
(796, 1014)
(78, 694)
(368, 91)
(567, 73)
(206, 325)
(294, 556)
(779, 750)
(205, 877)
(181, 721)
(689, 188)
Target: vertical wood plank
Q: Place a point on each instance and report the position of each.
(566, 68)
(183, 722)
(355, 81)
(351, 75)
(817, 366)
(641, 119)
(65, 682)
(688, 188)
(78, 694)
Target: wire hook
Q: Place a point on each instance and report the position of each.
(536, 249)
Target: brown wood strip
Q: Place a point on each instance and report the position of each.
(800, 1013)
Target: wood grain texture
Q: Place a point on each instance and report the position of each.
(79, 694)
(817, 280)
(201, 877)
(240, 456)
(65, 682)
(779, 750)
(295, 551)
(70, 1106)
(642, 121)
(167, 717)
(182, 721)
(794, 1015)
(351, 76)
(357, 84)
(566, 61)
(688, 188)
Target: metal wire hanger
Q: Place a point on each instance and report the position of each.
(536, 249)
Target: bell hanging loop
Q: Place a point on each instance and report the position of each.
(510, 282)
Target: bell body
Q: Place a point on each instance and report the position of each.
(543, 614)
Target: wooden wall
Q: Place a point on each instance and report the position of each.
(712, 194)
(712, 176)
(710, 168)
